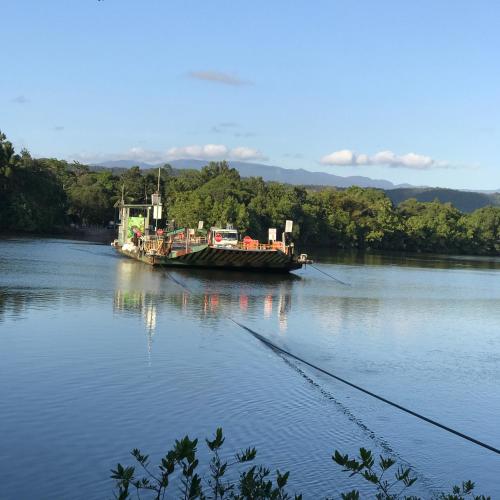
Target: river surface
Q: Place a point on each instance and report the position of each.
(100, 354)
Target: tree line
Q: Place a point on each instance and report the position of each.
(46, 195)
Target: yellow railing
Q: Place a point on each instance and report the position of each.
(255, 245)
(160, 245)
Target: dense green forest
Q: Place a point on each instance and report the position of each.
(47, 195)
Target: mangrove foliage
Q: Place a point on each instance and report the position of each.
(179, 474)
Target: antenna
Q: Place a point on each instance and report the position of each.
(159, 172)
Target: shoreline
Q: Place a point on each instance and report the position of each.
(91, 234)
(105, 236)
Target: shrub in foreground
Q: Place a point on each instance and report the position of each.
(177, 472)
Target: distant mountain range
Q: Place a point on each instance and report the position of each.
(466, 201)
(270, 173)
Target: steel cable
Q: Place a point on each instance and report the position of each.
(329, 275)
(280, 350)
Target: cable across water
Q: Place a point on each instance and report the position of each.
(280, 350)
(329, 275)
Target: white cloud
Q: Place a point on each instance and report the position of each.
(362, 159)
(214, 151)
(412, 160)
(383, 158)
(197, 152)
(218, 77)
(346, 157)
(208, 151)
(143, 155)
(242, 153)
(135, 154)
(342, 157)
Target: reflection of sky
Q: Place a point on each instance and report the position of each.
(78, 362)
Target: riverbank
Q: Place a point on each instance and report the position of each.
(410, 259)
(98, 234)
(95, 234)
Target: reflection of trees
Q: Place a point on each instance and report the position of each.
(15, 303)
(427, 261)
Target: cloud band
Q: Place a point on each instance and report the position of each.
(195, 152)
(346, 157)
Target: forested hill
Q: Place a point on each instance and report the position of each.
(466, 201)
(44, 195)
(296, 177)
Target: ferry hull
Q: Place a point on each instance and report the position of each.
(208, 257)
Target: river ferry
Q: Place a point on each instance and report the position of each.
(215, 247)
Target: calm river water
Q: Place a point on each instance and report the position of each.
(100, 354)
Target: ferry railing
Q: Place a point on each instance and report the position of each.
(161, 244)
(154, 245)
(255, 245)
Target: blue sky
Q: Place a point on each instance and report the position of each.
(406, 91)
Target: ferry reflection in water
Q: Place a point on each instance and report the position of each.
(204, 295)
(141, 302)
